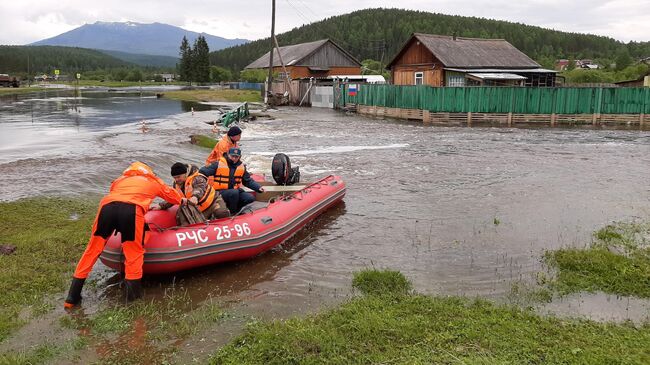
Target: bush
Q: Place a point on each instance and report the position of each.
(384, 282)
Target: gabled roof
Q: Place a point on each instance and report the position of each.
(471, 52)
(293, 54)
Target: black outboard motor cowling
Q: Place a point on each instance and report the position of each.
(283, 173)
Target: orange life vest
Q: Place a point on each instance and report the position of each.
(208, 197)
(222, 176)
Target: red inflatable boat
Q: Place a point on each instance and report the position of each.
(259, 227)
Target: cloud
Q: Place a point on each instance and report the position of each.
(30, 20)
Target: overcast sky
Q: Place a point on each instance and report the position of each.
(26, 21)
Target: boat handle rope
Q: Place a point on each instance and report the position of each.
(317, 185)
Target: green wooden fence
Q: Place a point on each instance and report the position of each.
(519, 100)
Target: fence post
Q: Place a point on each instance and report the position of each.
(512, 102)
(553, 115)
(596, 116)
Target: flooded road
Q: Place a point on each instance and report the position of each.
(458, 210)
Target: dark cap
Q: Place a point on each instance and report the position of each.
(235, 151)
(179, 169)
(234, 131)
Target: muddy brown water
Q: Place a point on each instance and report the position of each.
(460, 211)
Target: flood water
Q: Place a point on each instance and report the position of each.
(460, 211)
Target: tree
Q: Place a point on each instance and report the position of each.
(219, 74)
(623, 59)
(185, 66)
(200, 64)
(258, 75)
(134, 75)
(572, 65)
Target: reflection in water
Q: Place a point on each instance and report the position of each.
(188, 106)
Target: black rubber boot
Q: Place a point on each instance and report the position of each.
(74, 294)
(133, 289)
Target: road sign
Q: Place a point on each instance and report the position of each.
(78, 76)
(56, 72)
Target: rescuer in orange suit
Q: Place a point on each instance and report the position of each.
(123, 210)
(227, 142)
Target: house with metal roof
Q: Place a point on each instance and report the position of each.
(437, 60)
(317, 59)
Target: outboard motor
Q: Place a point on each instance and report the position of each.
(283, 173)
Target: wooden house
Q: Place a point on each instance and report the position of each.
(317, 59)
(454, 61)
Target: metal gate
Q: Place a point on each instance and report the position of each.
(322, 97)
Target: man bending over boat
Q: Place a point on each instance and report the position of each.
(227, 142)
(195, 187)
(229, 174)
(123, 210)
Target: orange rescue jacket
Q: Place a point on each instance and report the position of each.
(220, 148)
(139, 185)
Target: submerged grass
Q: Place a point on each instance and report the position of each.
(42, 354)
(617, 262)
(203, 141)
(215, 95)
(416, 329)
(50, 234)
(144, 329)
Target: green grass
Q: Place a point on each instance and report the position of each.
(48, 245)
(20, 90)
(417, 329)
(203, 141)
(617, 262)
(116, 83)
(215, 95)
(387, 282)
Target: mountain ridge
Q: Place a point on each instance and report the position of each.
(157, 39)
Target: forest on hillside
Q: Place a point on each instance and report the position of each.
(29, 61)
(378, 34)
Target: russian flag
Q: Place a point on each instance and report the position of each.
(352, 89)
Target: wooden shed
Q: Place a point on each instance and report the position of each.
(438, 60)
(314, 59)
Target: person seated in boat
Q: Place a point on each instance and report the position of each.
(228, 141)
(195, 188)
(229, 174)
(123, 210)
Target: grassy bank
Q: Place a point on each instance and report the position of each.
(617, 262)
(215, 95)
(203, 141)
(389, 326)
(50, 234)
(19, 90)
(117, 83)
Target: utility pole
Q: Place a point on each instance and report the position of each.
(270, 78)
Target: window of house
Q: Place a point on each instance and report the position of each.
(455, 80)
(419, 78)
(283, 75)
